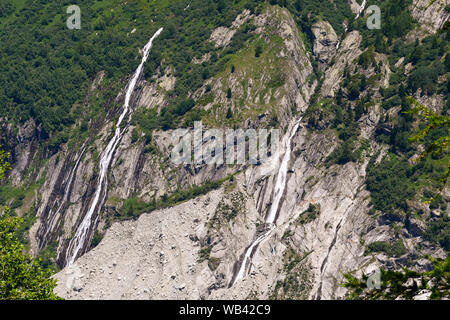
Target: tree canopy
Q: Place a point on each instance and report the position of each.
(21, 278)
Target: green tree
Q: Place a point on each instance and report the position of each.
(4, 165)
(258, 51)
(353, 91)
(367, 58)
(447, 62)
(229, 113)
(229, 94)
(438, 147)
(363, 84)
(21, 278)
(403, 284)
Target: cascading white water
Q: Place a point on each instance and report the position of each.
(78, 241)
(246, 262)
(361, 9)
(280, 186)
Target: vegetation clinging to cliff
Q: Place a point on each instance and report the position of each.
(21, 278)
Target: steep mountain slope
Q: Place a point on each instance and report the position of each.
(353, 198)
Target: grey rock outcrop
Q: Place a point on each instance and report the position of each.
(348, 52)
(325, 43)
(192, 250)
(431, 15)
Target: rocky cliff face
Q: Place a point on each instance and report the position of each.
(192, 250)
(431, 15)
(326, 42)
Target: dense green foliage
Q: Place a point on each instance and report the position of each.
(20, 276)
(47, 67)
(309, 214)
(396, 22)
(436, 134)
(6, 8)
(395, 180)
(406, 174)
(391, 183)
(403, 284)
(4, 165)
(392, 249)
(438, 231)
(98, 237)
(307, 12)
(185, 38)
(343, 153)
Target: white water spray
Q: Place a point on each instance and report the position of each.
(280, 186)
(78, 241)
(361, 9)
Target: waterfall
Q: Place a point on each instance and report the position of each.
(280, 186)
(78, 241)
(361, 9)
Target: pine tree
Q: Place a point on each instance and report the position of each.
(4, 165)
(258, 51)
(229, 113)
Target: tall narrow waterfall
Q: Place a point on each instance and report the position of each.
(78, 241)
(280, 186)
(361, 9)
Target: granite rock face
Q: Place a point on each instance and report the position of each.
(192, 250)
(326, 42)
